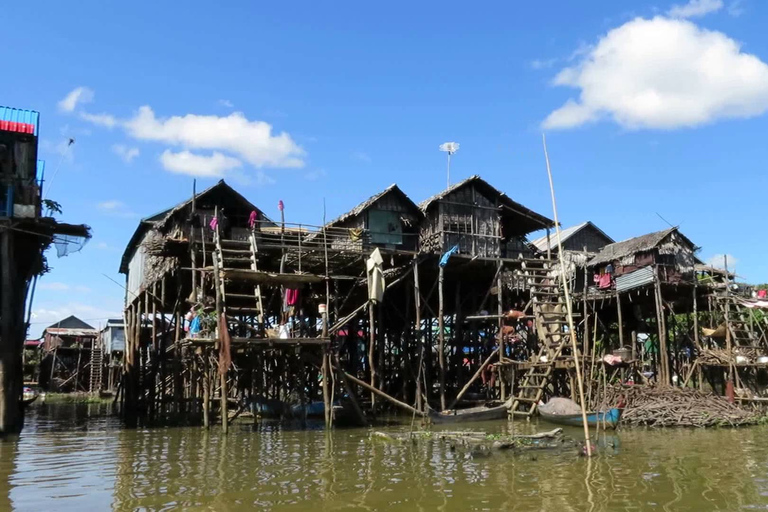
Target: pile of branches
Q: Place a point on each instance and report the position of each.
(723, 357)
(677, 407)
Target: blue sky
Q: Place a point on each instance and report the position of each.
(649, 110)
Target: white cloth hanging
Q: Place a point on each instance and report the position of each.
(376, 283)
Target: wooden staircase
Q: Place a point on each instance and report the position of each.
(97, 367)
(551, 317)
(744, 333)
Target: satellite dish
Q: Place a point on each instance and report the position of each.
(449, 147)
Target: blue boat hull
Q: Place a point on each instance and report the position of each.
(608, 418)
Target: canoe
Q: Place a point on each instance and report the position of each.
(483, 413)
(608, 418)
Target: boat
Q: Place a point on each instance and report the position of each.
(609, 418)
(316, 410)
(489, 411)
(28, 396)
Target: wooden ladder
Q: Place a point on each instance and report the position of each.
(546, 295)
(97, 363)
(743, 333)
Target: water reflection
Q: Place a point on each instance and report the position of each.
(73, 458)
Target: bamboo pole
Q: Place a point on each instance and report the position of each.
(621, 323)
(419, 341)
(441, 336)
(569, 305)
(500, 310)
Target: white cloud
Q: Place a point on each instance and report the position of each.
(105, 120)
(543, 63)
(718, 261)
(253, 141)
(361, 156)
(77, 96)
(116, 208)
(315, 175)
(226, 103)
(662, 73)
(124, 152)
(186, 162)
(736, 8)
(58, 287)
(62, 287)
(695, 8)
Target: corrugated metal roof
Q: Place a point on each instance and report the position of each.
(19, 120)
(565, 234)
(71, 332)
(639, 277)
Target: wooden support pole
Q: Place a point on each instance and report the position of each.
(372, 348)
(328, 406)
(441, 336)
(621, 323)
(696, 316)
(662, 330)
(419, 340)
(500, 310)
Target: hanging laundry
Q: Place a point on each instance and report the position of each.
(292, 297)
(356, 234)
(605, 281)
(214, 223)
(194, 327)
(280, 205)
(376, 283)
(252, 218)
(609, 269)
(761, 294)
(444, 260)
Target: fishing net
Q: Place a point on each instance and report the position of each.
(67, 244)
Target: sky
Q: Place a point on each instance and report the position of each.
(655, 114)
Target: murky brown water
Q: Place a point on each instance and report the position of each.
(75, 458)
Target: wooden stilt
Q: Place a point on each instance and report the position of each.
(441, 337)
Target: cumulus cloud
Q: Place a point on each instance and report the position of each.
(124, 152)
(718, 261)
(105, 120)
(77, 96)
(186, 162)
(662, 73)
(695, 8)
(252, 141)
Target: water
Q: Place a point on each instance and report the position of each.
(76, 458)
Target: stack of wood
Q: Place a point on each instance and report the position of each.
(722, 357)
(677, 407)
(158, 245)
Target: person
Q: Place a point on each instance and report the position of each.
(224, 227)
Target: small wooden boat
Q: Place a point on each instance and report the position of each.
(28, 396)
(487, 412)
(609, 418)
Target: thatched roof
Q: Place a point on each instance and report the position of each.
(529, 220)
(161, 219)
(565, 234)
(619, 250)
(360, 208)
